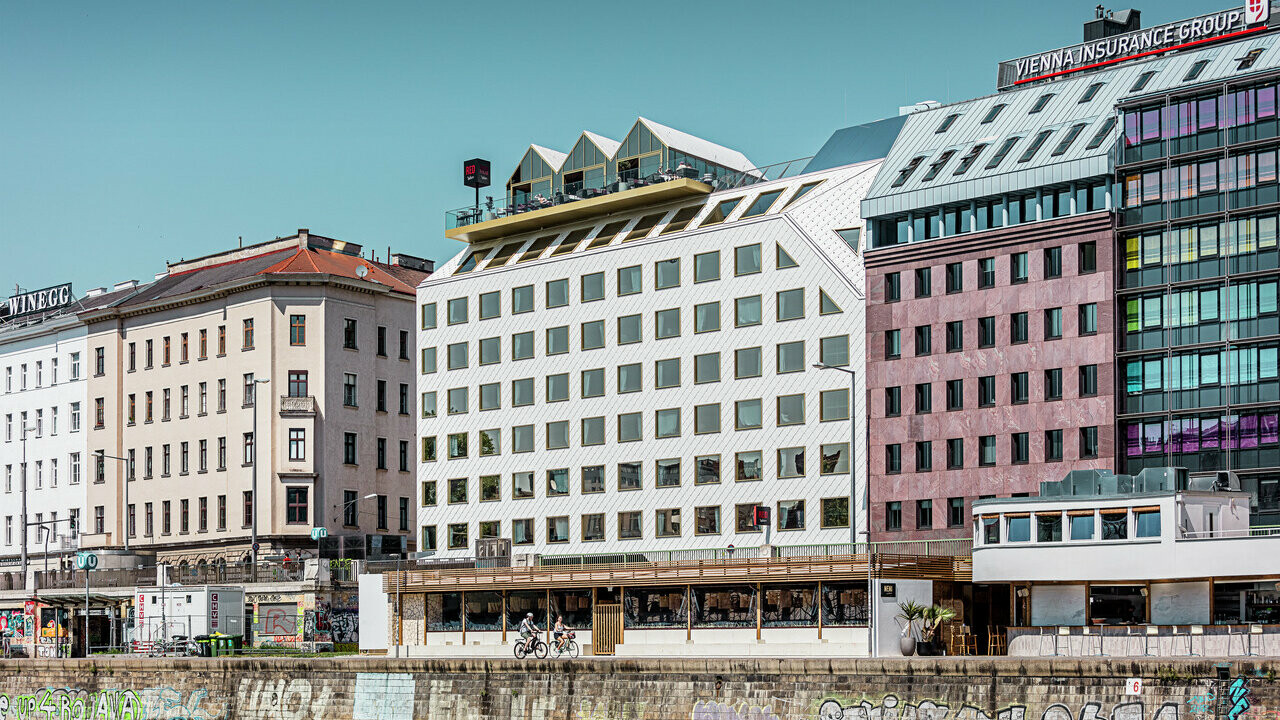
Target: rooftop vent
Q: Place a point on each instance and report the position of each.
(918, 107)
(95, 292)
(1106, 23)
(126, 285)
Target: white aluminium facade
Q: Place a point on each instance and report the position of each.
(44, 366)
(627, 384)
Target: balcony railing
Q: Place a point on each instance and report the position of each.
(1260, 531)
(305, 405)
(492, 209)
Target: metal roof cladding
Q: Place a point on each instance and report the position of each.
(919, 137)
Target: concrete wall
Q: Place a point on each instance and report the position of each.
(722, 689)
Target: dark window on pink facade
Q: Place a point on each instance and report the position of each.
(893, 516)
(892, 287)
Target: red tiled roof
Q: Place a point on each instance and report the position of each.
(309, 260)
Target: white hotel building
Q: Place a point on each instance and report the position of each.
(626, 368)
(44, 362)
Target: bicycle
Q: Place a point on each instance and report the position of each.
(539, 648)
(567, 646)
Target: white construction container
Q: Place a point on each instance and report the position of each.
(190, 610)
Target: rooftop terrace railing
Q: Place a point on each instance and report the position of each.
(492, 209)
(1259, 531)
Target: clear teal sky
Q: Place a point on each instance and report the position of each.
(132, 133)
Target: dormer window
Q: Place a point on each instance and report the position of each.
(947, 122)
(906, 171)
(1040, 103)
(993, 113)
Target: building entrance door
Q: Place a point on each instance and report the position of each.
(606, 628)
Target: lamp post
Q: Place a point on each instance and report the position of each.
(253, 483)
(23, 480)
(127, 470)
(865, 503)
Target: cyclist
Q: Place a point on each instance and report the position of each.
(529, 632)
(560, 633)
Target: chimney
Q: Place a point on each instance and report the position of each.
(95, 292)
(1106, 23)
(126, 285)
(303, 238)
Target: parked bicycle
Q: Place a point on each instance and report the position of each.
(535, 646)
(568, 645)
(179, 645)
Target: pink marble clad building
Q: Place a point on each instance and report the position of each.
(1032, 353)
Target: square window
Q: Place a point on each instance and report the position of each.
(522, 392)
(750, 466)
(457, 354)
(706, 368)
(557, 293)
(558, 435)
(558, 340)
(593, 335)
(592, 287)
(667, 473)
(490, 442)
(834, 351)
(707, 468)
(835, 512)
(490, 396)
(592, 431)
(747, 362)
(667, 323)
(707, 520)
(706, 266)
(667, 273)
(457, 401)
(667, 373)
(747, 414)
(791, 462)
(558, 387)
(558, 529)
(746, 260)
(629, 476)
(457, 311)
(629, 427)
(791, 515)
(706, 317)
(522, 485)
(490, 351)
(667, 423)
(630, 280)
(522, 299)
(522, 346)
(522, 439)
(490, 306)
(834, 405)
(629, 525)
(522, 531)
(791, 409)
(629, 378)
(457, 491)
(629, 330)
(790, 357)
(790, 304)
(593, 479)
(706, 419)
(667, 522)
(593, 383)
(747, 311)
(490, 488)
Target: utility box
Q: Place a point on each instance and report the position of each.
(191, 610)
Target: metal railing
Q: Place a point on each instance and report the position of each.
(1259, 531)
(492, 209)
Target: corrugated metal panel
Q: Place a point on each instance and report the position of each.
(919, 136)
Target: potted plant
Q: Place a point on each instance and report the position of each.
(933, 617)
(909, 612)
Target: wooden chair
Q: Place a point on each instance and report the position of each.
(968, 641)
(997, 644)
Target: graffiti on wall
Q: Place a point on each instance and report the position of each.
(295, 699)
(712, 710)
(158, 703)
(1238, 697)
(891, 708)
(15, 624)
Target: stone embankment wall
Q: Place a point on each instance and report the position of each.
(602, 689)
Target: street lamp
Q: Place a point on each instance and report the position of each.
(253, 486)
(25, 430)
(853, 504)
(127, 468)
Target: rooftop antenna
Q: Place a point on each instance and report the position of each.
(241, 238)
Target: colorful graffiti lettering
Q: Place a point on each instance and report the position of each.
(65, 704)
(588, 710)
(1238, 695)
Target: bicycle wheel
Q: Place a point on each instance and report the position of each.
(520, 650)
(572, 648)
(540, 649)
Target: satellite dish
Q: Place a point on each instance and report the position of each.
(361, 271)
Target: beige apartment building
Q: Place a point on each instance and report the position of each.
(302, 334)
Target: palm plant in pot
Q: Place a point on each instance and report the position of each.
(933, 618)
(909, 613)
